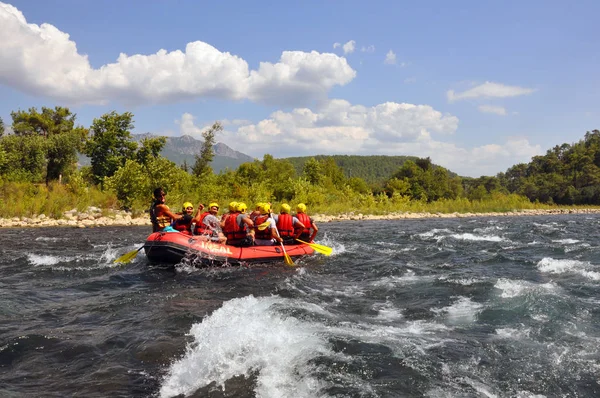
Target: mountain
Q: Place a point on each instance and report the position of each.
(184, 148)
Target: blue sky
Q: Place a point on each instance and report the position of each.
(477, 86)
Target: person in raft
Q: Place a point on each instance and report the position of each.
(288, 226)
(239, 228)
(208, 225)
(184, 224)
(160, 215)
(310, 228)
(264, 232)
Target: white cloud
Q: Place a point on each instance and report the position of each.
(336, 45)
(390, 58)
(338, 127)
(368, 49)
(42, 60)
(498, 110)
(349, 47)
(489, 90)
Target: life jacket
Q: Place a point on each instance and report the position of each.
(232, 230)
(285, 225)
(304, 219)
(160, 222)
(201, 228)
(184, 224)
(265, 233)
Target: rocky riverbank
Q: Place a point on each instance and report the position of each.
(95, 217)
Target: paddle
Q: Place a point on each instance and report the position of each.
(127, 257)
(288, 259)
(326, 250)
(263, 226)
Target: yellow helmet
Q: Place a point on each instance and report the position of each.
(213, 204)
(285, 208)
(232, 206)
(265, 208)
(301, 208)
(187, 204)
(259, 206)
(241, 207)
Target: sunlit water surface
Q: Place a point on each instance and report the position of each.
(482, 307)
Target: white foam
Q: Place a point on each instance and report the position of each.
(566, 241)
(40, 260)
(561, 266)
(461, 311)
(408, 278)
(247, 336)
(511, 288)
(472, 237)
(387, 311)
(511, 333)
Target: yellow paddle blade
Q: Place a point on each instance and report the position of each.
(326, 250)
(264, 225)
(288, 260)
(127, 257)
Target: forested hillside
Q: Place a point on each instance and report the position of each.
(566, 174)
(372, 169)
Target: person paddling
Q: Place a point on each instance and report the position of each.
(310, 228)
(289, 227)
(160, 215)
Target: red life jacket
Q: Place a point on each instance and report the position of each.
(285, 225)
(265, 233)
(184, 224)
(232, 230)
(201, 228)
(304, 219)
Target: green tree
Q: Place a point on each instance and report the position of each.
(150, 149)
(207, 153)
(110, 145)
(1, 127)
(62, 139)
(312, 171)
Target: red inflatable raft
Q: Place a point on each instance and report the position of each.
(173, 247)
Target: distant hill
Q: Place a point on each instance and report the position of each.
(373, 169)
(184, 148)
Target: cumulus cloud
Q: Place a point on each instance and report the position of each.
(349, 47)
(390, 58)
(336, 45)
(489, 90)
(498, 110)
(42, 60)
(339, 127)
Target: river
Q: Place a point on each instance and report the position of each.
(470, 307)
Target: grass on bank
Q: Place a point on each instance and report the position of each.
(25, 200)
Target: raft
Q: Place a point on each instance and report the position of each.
(174, 247)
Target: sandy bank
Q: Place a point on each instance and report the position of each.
(95, 217)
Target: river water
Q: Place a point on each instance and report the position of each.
(481, 307)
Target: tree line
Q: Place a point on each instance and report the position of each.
(44, 146)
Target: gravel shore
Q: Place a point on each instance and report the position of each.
(94, 217)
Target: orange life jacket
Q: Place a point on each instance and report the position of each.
(285, 225)
(232, 230)
(201, 228)
(265, 233)
(304, 219)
